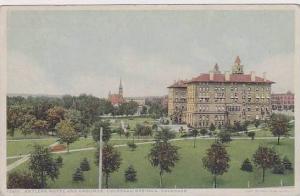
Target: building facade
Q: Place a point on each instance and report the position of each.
(177, 101)
(220, 98)
(117, 99)
(283, 101)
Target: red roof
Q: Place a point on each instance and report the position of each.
(179, 84)
(116, 99)
(243, 78)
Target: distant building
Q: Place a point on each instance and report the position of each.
(117, 99)
(283, 101)
(220, 98)
(177, 101)
(141, 101)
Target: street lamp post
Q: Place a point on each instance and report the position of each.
(100, 158)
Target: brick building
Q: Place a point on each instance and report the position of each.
(220, 98)
(283, 101)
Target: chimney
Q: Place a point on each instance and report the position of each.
(264, 76)
(227, 76)
(211, 75)
(252, 76)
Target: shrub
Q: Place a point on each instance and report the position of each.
(247, 166)
(132, 146)
(78, 175)
(130, 174)
(224, 137)
(278, 168)
(287, 163)
(203, 131)
(59, 161)
(85, 165)
(251, 134)
(22, 180)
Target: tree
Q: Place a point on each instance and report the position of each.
(216, 160)
(138, 130)
(120, 131)
(40, 127)
(19, 117)
(54, 116)
(265, 158)
(128, 108)
(165, 134)
(144, 110)
(130, 174)
(256, 123)
(59, 161)
(287, 163)
(212, 127)
(164, 156)
(127, 134)
(106, 131)
(224, 137)
(279, 126)
(251, 134)
(195, 132)
(85, 165)
(132, 145)
(90, 107)
(155, 127)
(78, 175)
(146, 130)
(247, 166)
(68, 101)
(203, 131)
(76, 118)
(43, 165)
(66, 132)
(111, 161)
(22, 180)
(278, 168)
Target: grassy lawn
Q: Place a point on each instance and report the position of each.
(72, 161)
(25, 146)
(83, 143)
(15, 148)
(131, 121)
(189, 172)
(10, 161)
(18, 135)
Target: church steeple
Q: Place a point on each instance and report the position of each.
(237, 68)
(121, 88)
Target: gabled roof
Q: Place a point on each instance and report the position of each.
(239, 78)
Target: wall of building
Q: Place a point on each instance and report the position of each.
(221, 103)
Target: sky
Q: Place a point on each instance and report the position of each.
(75, 52)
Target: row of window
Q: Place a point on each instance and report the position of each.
(233, 108)
(222, 89)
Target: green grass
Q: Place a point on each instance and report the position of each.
(15, 148)
(18, 135)
(189, 172)
(10, 161)
(71, 161)
(83, 143)
(131, 121)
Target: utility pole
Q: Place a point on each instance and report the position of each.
(100, 158)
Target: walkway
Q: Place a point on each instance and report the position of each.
(22, 160)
